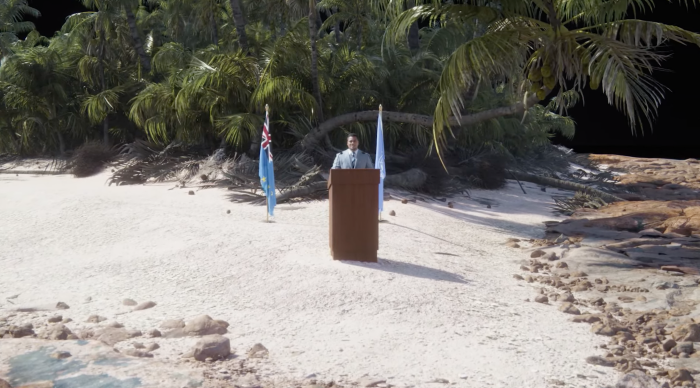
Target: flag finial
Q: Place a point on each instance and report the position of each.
(380, 107)
(267, 108)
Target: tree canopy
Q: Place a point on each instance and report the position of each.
(448, 73)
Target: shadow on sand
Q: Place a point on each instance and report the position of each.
(407, 269)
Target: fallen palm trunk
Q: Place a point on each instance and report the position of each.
(558, 183)
(412, 179)
(303, 191)
(33, 172)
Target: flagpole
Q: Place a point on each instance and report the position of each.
(375, 156)
(267, 196)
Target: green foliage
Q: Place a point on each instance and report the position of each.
(167, 71)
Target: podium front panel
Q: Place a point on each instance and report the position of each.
(353, 215)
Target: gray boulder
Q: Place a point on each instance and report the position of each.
(212, 346)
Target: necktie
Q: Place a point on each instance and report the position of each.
(353, 160)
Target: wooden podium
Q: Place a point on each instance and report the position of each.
(353, 217)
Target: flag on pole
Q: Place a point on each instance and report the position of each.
(379, 159)
(267, 174)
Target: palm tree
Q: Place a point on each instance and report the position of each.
(573, 45)
(239, 21)
(313, 33)
(11, 14)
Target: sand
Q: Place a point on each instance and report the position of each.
(441, 303)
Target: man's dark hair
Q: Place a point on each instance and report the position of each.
(352, 135)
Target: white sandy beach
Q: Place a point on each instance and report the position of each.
(441, 304)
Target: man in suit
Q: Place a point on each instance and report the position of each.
(352, 157)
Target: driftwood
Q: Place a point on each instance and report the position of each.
(558, 183)
(303, 191)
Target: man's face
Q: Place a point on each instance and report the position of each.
(353, 143)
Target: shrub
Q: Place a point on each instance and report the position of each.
(90, 159)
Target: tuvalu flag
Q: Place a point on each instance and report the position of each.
(379, 160)
(266, 172)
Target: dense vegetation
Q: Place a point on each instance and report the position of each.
(460, 76)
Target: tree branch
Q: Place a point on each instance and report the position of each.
(317, 134)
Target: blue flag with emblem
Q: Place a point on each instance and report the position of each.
(379, 160)
(266, 172)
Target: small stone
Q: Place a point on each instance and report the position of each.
(138, 345)
(56, 319)
(172, 324)
(145, 306)
(679, 376)
(228, 211)
(60, 355)
(137, 353)
(541, 299)
(72, 337)
(578, 274)
(111, 335)
(153, 333)
(637, 379)
(450, 205)
(191, 192)
(404, 201)
(567, 297)
(258, 351)
(4, 384)
(116, 325)
(580, 288)
(668, 345)
(488, 206)
(62, 306)
(561, 264)
(205, 325)
(67, 320)
(600, 361)
(56, 331)
(392, 213)
(685, 347)
(518, 277)
(588, 318)
(687, 333)
(625, 299)
(537, 253)
(96, 319)
(152, 346)
(88, 299)
(129, 302)
(551, 256)
(14, 331)
(641, 298)
(569, 308)
(441, 381)
(212, 346)
(513, 245)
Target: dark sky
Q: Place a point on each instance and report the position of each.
(600, 127)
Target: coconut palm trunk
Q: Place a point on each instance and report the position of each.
(314, 59)
(138, 42)
(239, 22)
(214, 32)
(103, 84)
(413, 38)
